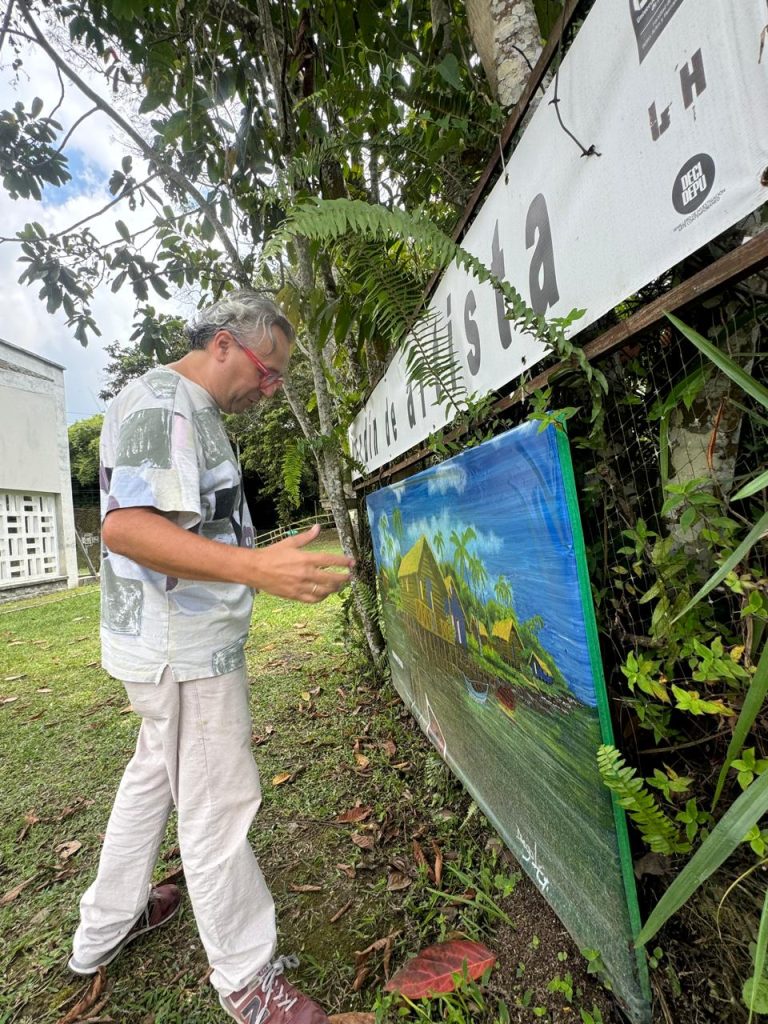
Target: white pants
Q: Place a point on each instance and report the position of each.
(194, 751)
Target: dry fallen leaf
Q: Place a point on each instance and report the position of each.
(354, 814)
(68, 849)
(30, 819)
(91, 1002)
(397, 880)
(364, 842)
(305, 888)
(347, 869)
(352, 1018)
(126, 711)
(389, 747)
(340, 913)
(17, 890)
(306, 695)
(281, 777)
(12, 679)
(8, 700)
(362, 760)
(402, 766)
(45, 689)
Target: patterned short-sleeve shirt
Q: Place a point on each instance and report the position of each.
(163, 446)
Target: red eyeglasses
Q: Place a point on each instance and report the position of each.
(269, 378)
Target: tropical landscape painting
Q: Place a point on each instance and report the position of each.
(493, 645)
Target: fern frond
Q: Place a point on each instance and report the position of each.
(327, 220)
(293, 465)
(659, 832)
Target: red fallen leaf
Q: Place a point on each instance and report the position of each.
(364, 842)
(432, 971)
(347, 869)
(389, 748)
(354, 814)
(397, 880)
(438, 869)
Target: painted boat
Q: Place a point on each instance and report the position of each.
(476, 689)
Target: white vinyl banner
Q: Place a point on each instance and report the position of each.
(673, 97)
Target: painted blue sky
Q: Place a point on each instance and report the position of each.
(510, 491)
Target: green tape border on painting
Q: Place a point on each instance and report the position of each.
(601, 692)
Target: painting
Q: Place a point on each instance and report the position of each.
(492, 642)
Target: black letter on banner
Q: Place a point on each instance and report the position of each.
(658, 129)
(693, 77)
(541, 275)
(472, 333)
(386, 423)
(375, 441)
(394, 422)
(411, 409)
(497, 267)
(449, 324)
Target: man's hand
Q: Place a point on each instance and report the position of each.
(283, 569)
(286, 570)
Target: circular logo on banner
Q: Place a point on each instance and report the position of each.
(693, 183)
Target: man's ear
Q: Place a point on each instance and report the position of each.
(220, 345)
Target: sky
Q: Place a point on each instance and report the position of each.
(94, 151)
(511, 491)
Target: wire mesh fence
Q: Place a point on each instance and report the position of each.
(88, 527)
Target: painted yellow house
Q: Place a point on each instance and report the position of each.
(506, 640)
(423, 591)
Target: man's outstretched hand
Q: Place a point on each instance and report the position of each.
(286, 570)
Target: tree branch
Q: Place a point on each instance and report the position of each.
(151, 154)
(6, 23)
(67, 137)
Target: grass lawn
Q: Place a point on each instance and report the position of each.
(354, 898)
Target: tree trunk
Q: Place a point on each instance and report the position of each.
(331, 470)
(507, 37)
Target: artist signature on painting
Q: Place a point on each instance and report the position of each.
(530, 856)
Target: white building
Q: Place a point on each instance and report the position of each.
(37, 527)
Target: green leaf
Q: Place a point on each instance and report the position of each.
(37, 106)
(448, 68)
(723, 362)
(123, 231)
(746, 810)
(730, 563)
(755, 996)
(752, 487)
(750, 709)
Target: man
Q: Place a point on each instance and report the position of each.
(178, 575)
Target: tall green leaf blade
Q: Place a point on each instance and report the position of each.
(719, 844)
(723, 362)
(762, 945)
(758, 688)
(731, 562)
(752, 487)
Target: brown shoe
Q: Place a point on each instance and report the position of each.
(270, 999)
(163, 904)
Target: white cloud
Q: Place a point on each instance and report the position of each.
(484, 544)
(446, 478)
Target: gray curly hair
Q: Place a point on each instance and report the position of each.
(243, 312)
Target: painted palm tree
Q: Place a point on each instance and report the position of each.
(461, 553)
(397, 526)
(478, 574)
(438, 541)
(503, 591)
